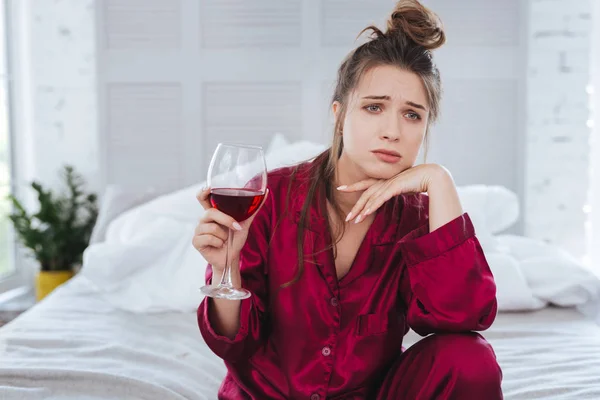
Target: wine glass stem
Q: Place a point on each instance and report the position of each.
(226, 279)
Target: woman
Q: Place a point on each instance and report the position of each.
(351, 250)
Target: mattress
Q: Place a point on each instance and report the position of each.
(74, 345)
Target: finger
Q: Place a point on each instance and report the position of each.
(212, 228)
(381, 191)
(377, 200)
(214, 215)
(203, 197)
(392, 187)
(204, 241)
(358, 207)
(358, 186)
(248, 221)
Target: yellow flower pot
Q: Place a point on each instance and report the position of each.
(47, 281)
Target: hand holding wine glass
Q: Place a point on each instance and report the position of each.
(212, 231)
(237, 180)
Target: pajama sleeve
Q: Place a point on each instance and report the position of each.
(447, 284)
(253, 261)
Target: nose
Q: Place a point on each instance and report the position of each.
(390, 138)
(391, 133)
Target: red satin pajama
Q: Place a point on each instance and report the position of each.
(329, 338)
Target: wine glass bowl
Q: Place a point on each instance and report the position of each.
(237, 178)
(240, 204)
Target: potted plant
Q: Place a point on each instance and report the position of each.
(59, 232)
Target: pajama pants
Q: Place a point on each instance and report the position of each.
(444, 366)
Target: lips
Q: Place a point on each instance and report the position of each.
(387, 156)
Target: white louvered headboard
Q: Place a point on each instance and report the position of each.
(176, 77)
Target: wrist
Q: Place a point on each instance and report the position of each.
(217, 273)
(439, 178)
(221, 267)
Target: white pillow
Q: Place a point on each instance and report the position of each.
(115, 200)
(182, 204)
(512, 291)
(552, 274)
(147, 263)
(278, 142)
(496, 206)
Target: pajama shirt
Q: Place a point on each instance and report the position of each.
(329, 338)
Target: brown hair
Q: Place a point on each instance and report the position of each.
(413, 31)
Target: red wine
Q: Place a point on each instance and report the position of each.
(239, 204)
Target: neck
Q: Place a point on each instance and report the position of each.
(347, 173)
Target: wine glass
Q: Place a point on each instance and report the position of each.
(237, 178)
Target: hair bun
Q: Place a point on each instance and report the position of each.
(419, 23)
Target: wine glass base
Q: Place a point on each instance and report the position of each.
(224, 292)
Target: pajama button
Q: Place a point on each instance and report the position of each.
(315, 396)
(326, 351)
(334, 301)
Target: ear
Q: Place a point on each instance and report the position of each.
(335, 108)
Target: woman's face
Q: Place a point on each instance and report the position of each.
(385, 122)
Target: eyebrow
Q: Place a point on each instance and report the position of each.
(388, 98)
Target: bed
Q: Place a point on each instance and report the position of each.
(125, 326)
(75, 345)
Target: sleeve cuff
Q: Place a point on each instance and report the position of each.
(245, 308)
(420, 245)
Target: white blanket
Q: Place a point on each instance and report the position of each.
(531, 274)
(76, 346)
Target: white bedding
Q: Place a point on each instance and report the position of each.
(74, 345)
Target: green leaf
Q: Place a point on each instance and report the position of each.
(59, 232)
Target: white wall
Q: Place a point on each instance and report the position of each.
(167, 82)
(594, 89)
(483, 67)
(557, 173)
(54, 65)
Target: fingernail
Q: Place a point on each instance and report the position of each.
(357, 220)
(349, 217)
(342, 187)
(367, 211)
(237, 226)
